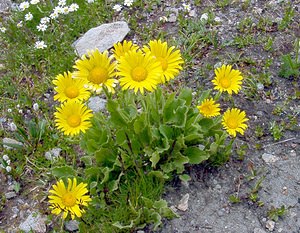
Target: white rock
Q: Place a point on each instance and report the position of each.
(34, 223)
(269, 158)
(97, 104)
(183, 203)
(10, 195)
(102, 37)
(270, 225)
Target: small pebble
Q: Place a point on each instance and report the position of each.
(270, 225)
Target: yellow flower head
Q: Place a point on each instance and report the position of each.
(96, 70)
(234, 121)
(139, 71)
(170, 59)
(209, 108)
(73, 117)
(120, 49)
(70, 199)
(227, 79)
(70, 89)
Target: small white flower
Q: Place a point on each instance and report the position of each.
(45, 20)
(28, 16)
(65, 10)
(204, 17)
(163, 19)
(33, 2)
(128, 2)
(41, 27)
(186, 7)
(23, 6)
(58, 10)
(5, 157)
(35, 106)
(54, 15)
(13, 126)
(3, 29)
(62, 2)
(73, 7)
(18, 106)
(90, 1)
(8, 168)
(20, 24)
(21, 111)
(218, 19)
(8, 162)
(117, 7)
(40, 45)
(9, 110)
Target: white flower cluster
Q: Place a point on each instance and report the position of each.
(61, 8)
(5, 163)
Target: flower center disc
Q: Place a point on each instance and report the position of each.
(68, 199)
(225, 82)
(232, 123)
(74, 120)
(72, 92)
(139, 74)
(207, 109)
(164, 63)
(98, 75)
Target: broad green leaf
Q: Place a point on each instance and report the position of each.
(186, 94)
(120, 226)
(185, 177)
(196, 155)
(158, 174)
(87, 160)
(63, 171)
(154, 158)
(105, 156)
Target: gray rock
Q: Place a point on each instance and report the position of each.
(97, 104)
(8, 143)
(102, 37)
(34, 223)
(258, 230)
(10, 195)
(269, 158)
(5, 5)
(53, 154)
(72, 225)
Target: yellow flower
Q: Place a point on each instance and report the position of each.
(139, 71)
(70, 89)
(227, 79)
(234, 121)
(97, 70)
(209, 108)
(169, 58)
(72, 118)
(120, 49)
(69, 199)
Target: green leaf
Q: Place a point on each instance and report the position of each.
(105, 157)
(185, 178)
(120, 226)
(154, 158)
(186, 94)
(158, 174)
(196, 155)
(87, 160)
(63, 171)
